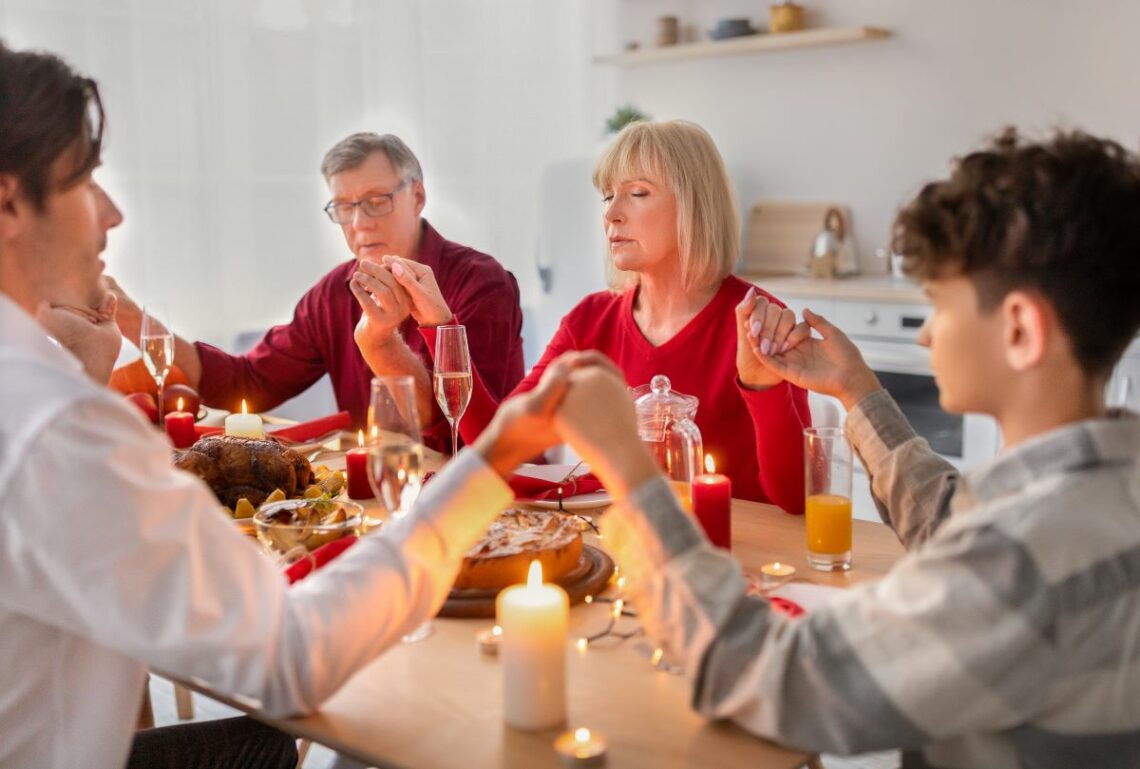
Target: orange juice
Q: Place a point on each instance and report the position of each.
(828, 523)
(684, 492)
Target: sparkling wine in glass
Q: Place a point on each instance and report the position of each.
(452, 376)
(156, 343)
(395, 455)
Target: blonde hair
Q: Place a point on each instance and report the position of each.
(683, 156)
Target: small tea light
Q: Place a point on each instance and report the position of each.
(777, 573)
(581, 747)
(488, 641)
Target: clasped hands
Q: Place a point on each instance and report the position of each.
(89, 333)
(582, 398)
(391, 289)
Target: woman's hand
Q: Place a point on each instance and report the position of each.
(762, 326)
(832, 365)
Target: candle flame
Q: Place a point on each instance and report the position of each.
(244, 407)
(776, 566)
(496, 630)
(534, 576)
(582, 735)
(709, 464)
(582, 644)
(179, 404)
(360, 438)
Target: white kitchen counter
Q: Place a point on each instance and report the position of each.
(874, 288)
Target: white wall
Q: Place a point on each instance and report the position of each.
(219, 112)
(867, 123)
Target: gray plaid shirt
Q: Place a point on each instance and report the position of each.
(1008, 636)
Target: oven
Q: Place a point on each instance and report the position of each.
(887, 336)
(886, 332)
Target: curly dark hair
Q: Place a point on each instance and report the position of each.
(1060, 218)
(46, 109)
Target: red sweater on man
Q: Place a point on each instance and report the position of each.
(755, 437)
(319, 340)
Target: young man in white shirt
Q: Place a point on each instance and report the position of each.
(1009, 636)
(112, 561)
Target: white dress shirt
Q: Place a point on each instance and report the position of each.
(112, 561)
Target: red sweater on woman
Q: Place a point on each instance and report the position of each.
(755, 437)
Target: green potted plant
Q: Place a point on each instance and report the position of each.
(623, 117)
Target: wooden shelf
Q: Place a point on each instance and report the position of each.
(752, 44)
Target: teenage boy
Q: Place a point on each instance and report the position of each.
(1009, 636)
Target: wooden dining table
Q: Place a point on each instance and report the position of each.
(439, 703)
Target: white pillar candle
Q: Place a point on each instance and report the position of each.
(534, 618)
(244, 425)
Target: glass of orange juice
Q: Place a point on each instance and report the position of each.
(827, 508)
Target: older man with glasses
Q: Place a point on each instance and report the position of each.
(360, 320)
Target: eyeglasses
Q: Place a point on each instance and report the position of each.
(373, 206)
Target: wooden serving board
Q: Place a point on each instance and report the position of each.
(779, 235)
(594, 570)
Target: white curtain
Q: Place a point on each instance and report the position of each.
(219, 112)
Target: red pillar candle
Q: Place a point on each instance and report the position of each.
(180, 428)
(712, 505)
(356, 468)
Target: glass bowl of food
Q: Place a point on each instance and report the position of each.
(292, 528)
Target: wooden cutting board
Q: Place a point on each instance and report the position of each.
(779, 235)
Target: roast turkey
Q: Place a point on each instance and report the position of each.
(244, 467)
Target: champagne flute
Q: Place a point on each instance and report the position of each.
(395, 455)
(156, 342)
(452, 376)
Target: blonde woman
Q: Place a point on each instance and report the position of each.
(676, 309)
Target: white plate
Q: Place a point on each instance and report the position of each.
(554, 473)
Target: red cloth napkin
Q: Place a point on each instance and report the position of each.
(319, 558)
(528, 487)
(306, 431)
(781, 605)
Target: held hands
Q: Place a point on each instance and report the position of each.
(764, 326)
(90, 334)
(524, 425)
(427, 304)
(597, 418)
(129, 315)
(832, 365)
(384, 301)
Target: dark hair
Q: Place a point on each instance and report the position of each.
(46, 109)
(1060, 218)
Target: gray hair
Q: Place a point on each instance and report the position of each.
(351, 151)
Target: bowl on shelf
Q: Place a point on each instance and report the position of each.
(729, 28)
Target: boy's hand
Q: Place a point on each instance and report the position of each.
(831, 365)
(597, 418)
(524, 424)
